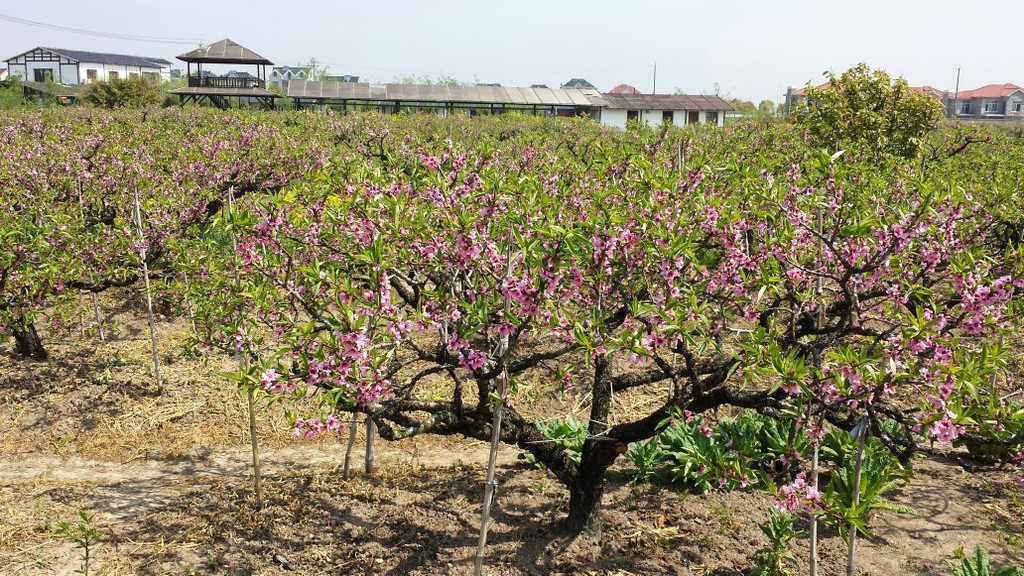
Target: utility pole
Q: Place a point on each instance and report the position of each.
(956, 92)
(654, 86)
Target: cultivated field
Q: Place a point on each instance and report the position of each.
(680, 331)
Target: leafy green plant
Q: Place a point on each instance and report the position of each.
(83, 535)
(645, 456)
(977, 565)
(772, 560)
(881, 473)
(736, 453)
(567, 433)
(134, 92)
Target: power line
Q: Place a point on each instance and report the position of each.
(154, 39)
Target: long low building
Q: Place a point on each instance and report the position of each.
(610, 109)
(70, 67)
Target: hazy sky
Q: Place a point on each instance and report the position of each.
(752, 49)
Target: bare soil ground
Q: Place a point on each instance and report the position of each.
(168, 479)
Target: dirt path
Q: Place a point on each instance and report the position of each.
(127, 489)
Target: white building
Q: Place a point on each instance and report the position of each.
(69, 67)
(658, 109)
(280, 76)
(610, 109)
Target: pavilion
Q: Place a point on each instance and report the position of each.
(219, 90)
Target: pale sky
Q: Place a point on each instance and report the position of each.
(752, 49)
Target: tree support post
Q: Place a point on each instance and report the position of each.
(149, 296)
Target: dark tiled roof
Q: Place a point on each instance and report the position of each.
(112, 59)
(578, 83)
(225, 51)
(436, 93)
(665, 102)
(56, 89)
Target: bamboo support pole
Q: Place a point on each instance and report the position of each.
(95, 299)
(149, 297)
(860, 431)
(351, 442)
(371, 429)
(490, 485)
(500, 387)
(243, 361)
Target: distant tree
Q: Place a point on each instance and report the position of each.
(133, 92)
(766, 108)
(315, 70)
(865, 110)
(12, 95)
(743, 107)
(441, 80)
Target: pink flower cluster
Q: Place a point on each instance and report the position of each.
(798, 496)
(272, 382)
(468, 357)
(939, 418)
(312, 427)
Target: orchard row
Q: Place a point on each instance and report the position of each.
(416, 269)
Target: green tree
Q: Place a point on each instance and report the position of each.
(766, 108)
(134, 92)
(315, 70)
(441, 80)
(11, 95)
(866, 111)
(743, 107)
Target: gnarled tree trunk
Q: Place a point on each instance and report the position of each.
(28, 344)
(599, 453)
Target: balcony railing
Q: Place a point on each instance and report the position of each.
(224, 82)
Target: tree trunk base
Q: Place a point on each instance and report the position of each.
(28, 344)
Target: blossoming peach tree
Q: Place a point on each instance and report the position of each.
(404, 281)
(68, 180)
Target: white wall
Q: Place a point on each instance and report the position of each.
(27, 71)
(123, 72)
(616, 118)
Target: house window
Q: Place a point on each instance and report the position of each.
(711, 118)
(693, 117)
(666, 117)
(43, 75)
(90, 75)
(1017, 106)
(632, 115)
(966, 108)
(112, 75)
(992, 106)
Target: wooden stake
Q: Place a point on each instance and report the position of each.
(243, 361)
(92, 280)
(818, 320)
(812, 564)
(188, 304)
(149, 297)
(501, 389)
(257, 475)
(860, 431)
(351, 442)
(490, 484)
(371, 429)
